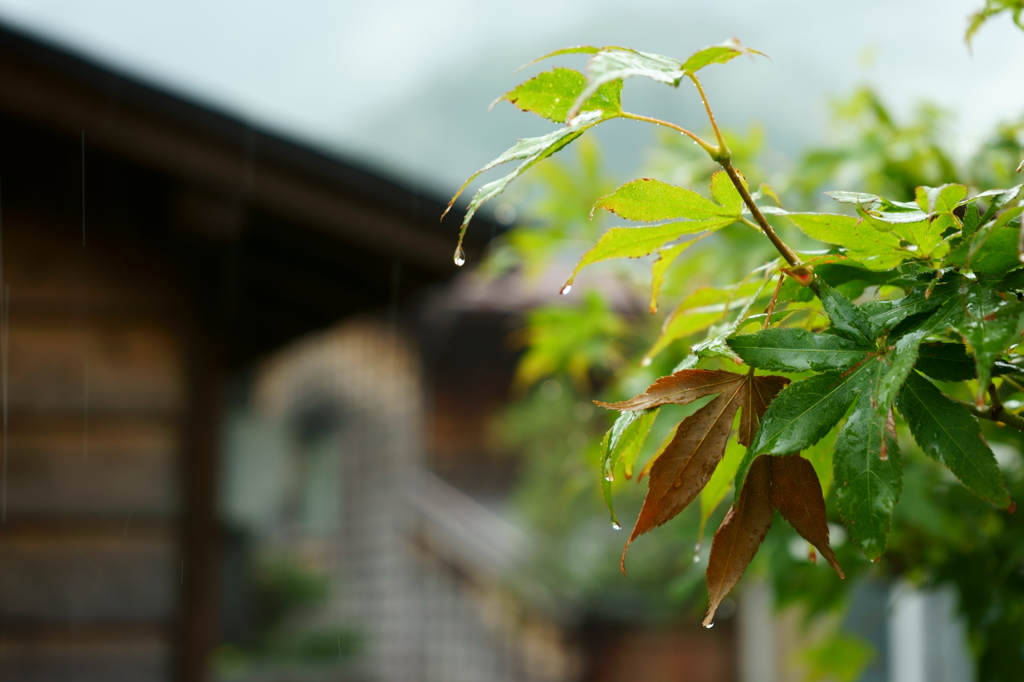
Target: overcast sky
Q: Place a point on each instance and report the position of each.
(404, 86)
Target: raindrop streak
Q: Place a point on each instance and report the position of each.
(5, 301)
(565, 290)
(127, 522)
(396, 280)
(339, 648)
(85, 412)
(83, 188)
(460, 257)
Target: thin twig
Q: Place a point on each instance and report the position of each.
(723, 148)
(771, 304)
(993, 413)
(706, 146)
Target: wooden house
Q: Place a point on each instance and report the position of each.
(153, 249)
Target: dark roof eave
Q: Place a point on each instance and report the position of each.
(224, 154)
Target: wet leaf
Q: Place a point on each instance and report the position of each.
(998, 254)
(666, 257)
(611, 63)
(579, 49)
(867, 468)
(1000, 198)
(804, 412)
(899, 361)
(650, 200)
(625, 439)
(972, 219)
(703, 309)
(720, 483)
(725, 193)
(883, 316)
(680, 388)
(529, 151)
(847, 319)
(736, 541)
(608, 65)
(874, 249)
(945, 361)
(797, 350)
(950, 435)
(684, 467)
(637, 242)
(717, 54)
(988, 323)
(759, 392)
(621, 445)
(796, 493)
(551, 94)
(940, 199)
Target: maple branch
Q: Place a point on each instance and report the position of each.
(723, 157)
(799, 270)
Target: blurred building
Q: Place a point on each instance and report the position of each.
(213, 432)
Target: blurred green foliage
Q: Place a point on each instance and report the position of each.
(282, 590)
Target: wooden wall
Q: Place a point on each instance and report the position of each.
(91, 551)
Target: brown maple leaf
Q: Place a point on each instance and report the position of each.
(741, 533)
(784, 482)
(796, 493)
(682, 469)
(761, 391)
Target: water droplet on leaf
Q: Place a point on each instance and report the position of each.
(566, 289)
(710, 625)
(616, 526)
(460, 257)
(609, 477)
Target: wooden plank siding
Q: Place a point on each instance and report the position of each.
(154, 248)
(91, 547)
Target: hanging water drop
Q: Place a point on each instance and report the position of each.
(616, 526)
(566, 289)
(646, 362)
(460, 257)
(710, 625)
(696, 558)
(609, 477)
